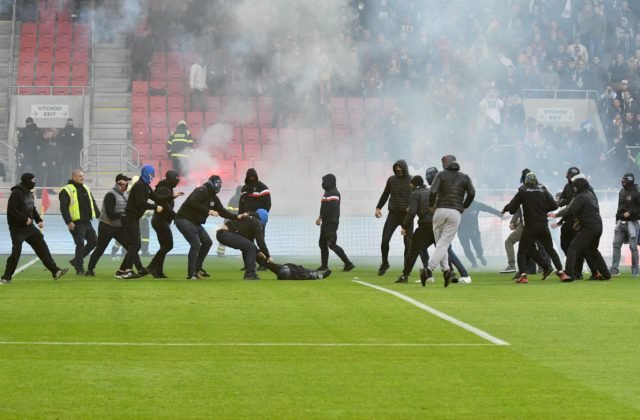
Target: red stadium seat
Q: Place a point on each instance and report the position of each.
(265, 103)
(233, 151)
(355, 104)
(252, 151)
(159, 135)
(196, 132)
(63, 56)
(324, 135)
(175, 88)
(269, 135)
(175, 103)
(194, 119)
(271, 151)
(175, 72)
(265, 119)
(140, 120)
(80, 56)
(61, 71)
(64, 29)
(159, 59)
(29, 29)
(339, 119)
(174, 118)
(175, 58)
(236, 135)
(165, 165)
(158, 119)
(213, 103)
(139, 104)
(250, 135)
(159, 150)
(140, 134)
(157, 84)
(25, 71)
(211, 118)
(158, 103)
(140, 88)
(241, 169)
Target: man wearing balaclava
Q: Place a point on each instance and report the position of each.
(137, 205)
(22, 217)
(627, 227)
(241, 234)
(191, 217)
(254, 195)
(329, 221)
(161, 222)
(397, 190)
(451, 192)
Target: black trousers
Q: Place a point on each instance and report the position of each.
(567, 234)
(84, 236)
(199, 244)
(105, 234)
(390, 225)
(328, 240)
(585, 245)
(527, 249)
(422, 239)
(132, 227)
(165, 238)
(248, 248)
(35, 239)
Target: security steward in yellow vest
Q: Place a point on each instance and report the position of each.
(78, 208)
(179, 145)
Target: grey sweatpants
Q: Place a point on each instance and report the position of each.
(445, 228)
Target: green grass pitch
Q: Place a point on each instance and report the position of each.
(228, 348)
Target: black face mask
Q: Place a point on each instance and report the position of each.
(29, 185)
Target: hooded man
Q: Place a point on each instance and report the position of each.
(585, 211)
(254, 194)
(161, 222)
(190, 218)
(179, 146)
(536, 203)
(451, 192)
(22, 217)
(78, 208)
(627, 226)
(110, 226)
(329, 220)
(397, 190)
(137, 205)
(241, 234)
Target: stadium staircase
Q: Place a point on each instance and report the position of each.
(5, 45)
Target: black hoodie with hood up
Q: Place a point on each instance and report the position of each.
(254, 194)
(164, 197)
(450, 187)
(20, 208)
(330, 203)
(397, 190)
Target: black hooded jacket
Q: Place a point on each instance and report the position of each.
(629, 202)
(536, 203)
(250, 228)
(418, 204)
(397, 190)
(164, 198)
(330, 203)
(138, 202)
(196, 207)
(450, 187)
(584, 206)
(254, 194)
(21, 206)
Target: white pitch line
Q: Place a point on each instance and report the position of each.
(27, 265)
(125, 344)
(442, 315)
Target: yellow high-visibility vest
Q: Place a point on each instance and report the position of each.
(74, 206)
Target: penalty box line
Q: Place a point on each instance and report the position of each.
(470, 328)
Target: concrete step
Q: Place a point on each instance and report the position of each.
(111, 85)
(117, 42)
(5, 42)
(111, 115)
(112, 55)
(101, 126)
(113, 100)
(110, 134)
(5, 27)
(115, 70)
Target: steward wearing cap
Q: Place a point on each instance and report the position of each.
(241, 234)
(192, 215)
(179, 145)
(78, 208)
(627, 226)
(110, 226)
(536, 203)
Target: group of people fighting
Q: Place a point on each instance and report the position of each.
(438, 205)
(124, 205)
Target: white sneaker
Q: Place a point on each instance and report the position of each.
(464, 280)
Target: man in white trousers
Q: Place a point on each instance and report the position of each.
(451, 192)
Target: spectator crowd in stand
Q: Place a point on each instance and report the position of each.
(457, 70)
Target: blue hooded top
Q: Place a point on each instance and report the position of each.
(263, 215)
(147, 173)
